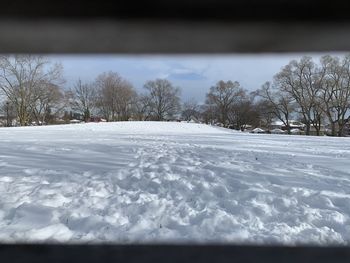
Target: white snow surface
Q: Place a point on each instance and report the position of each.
(140, 182)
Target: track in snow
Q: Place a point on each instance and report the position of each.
(172, 182)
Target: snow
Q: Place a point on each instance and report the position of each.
(142, 182)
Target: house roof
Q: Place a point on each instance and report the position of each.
(292, 123)
(258, 130)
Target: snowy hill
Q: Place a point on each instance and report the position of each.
(171, 182)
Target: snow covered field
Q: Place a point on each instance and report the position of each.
(174, 182)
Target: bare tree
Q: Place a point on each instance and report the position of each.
(243, 112)
(208, 114)
(20, 78)
(142, 110)
(164, 98)
(336, 91)
(49, 104)
(280, 102)
(301, 80)
(263, 108)
(222, 96)
(83, 98)
(190, 109)
(115, 96)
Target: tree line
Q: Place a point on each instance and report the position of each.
(314, 93)
(32, 93)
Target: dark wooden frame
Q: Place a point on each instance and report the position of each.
(177, 26)
(171, 254)
(174, 26)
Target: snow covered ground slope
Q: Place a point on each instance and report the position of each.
(174, 182)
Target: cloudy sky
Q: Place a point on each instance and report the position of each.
(193, 74)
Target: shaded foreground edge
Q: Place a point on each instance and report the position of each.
(170, 253)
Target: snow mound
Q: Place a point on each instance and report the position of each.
(171, 182)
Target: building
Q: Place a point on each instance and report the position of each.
(297, 127)
(293, 124)
(277, 131)
(321, 132)
(258, 130)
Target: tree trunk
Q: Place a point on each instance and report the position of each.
(333, 129)
(307, 132)
(340, 130)
(317, 128)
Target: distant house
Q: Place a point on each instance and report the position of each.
(292, 124)
(74, 121)
(258, 130)
(76, 116)
(298, 127)
(321, 132)
(277, 131)
(95, 119)
(193, 120)
(297, 131)
(34, 123)
(246, 127)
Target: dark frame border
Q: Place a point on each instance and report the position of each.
(174, 26)
(178, 26)
(170, 253)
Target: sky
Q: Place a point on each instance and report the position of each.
(194, 74)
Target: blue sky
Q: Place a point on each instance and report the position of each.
(194, 74)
